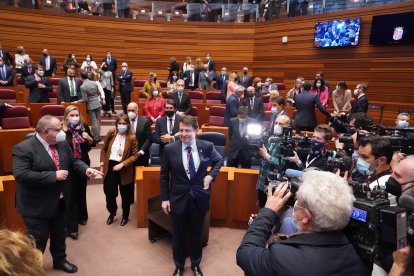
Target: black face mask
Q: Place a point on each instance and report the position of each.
(154, 79)
(45, 55)
(169, 113)
(393, 187)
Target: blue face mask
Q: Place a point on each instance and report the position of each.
(122, 128)
(274, 109)
(403, 124)
(363, 167)
(180, 88)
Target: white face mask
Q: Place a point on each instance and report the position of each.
(132, 115)
(278, 130)
(318, 84)
(356, 91)
(174, 77)
(155, 93)
(124, 68)
(74, 120)
(41, 73)
(61, 137)
(88, 59)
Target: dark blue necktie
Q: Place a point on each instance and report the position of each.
(191, 167)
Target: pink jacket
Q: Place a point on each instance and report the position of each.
(323, 97)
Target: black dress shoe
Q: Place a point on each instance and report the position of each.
(110, 219)
(83, 222)
(66, 266)
(124, 221)
(197, 271)
(178, 272)
(74, 235)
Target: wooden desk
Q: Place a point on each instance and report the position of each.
(9, 138)
(12, 219)
(233, 195)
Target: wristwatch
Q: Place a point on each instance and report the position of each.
(172, 139)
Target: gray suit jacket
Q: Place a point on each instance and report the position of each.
(90, 94)
(203, 81)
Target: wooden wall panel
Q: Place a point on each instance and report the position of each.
(387, 70)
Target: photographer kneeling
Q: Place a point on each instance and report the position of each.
(322, 210)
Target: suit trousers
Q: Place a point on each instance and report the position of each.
(125, 99)
(111, 182)
(190, 221)
(107, 106)
(78, 210)
(240, 159)
(95, 115)
(41, 228)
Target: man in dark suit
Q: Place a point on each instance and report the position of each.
(69, 88)
(361, 105)
(6, 74)
(221, 79)
(322, 134)
(49, 63)
(239, 145)
(7, 59)
(41, 166)
(187, 193)
(39, 86)
(233, 103)
(211, 64)
(27, 69)
(166, 127)
(125, 86)
(305, 118)
(142, 129)
(254, 104)
(112, 65)
(191, 78)
(182, 100)
(245, 80)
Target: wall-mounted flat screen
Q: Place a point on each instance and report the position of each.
(337, 33)
(397, 28)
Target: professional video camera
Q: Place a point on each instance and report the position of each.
(340, 124)
(290, 143)
(292, 177)
(402, 139)
(255, 138)
(338, 160)
(376, 229)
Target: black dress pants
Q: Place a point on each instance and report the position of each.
(41, 228)
(107, 106)
(240, 159)
(111, 182)
(78, 210)
(125, 99)
(191, 219)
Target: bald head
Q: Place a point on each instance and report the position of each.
(403, 172)
(133, 107)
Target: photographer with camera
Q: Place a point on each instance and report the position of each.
(239, 145)
(272, 161)
(321, 136)
(322, 209)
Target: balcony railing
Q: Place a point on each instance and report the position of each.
(230, 11)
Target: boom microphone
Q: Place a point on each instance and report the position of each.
(293, 173)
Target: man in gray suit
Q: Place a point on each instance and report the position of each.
(92, 98)
(205, 77)
(69, 88)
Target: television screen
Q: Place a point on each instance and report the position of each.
(337, 33)
(395, 28)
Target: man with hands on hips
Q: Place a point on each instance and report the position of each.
(185, 190)
(41, 166)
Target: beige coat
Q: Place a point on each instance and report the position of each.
(128, 158)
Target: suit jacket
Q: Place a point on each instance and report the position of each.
(220, 81)
(203, 81)
(129, 155)
(174, 66)
(212, 66)
(232, 106)
(361, 105)
(52, 68)
(311, 250)
(305, 106)
(187, 75)
(257, 111)
(9, 76)
(124, 79)
(178, 188)
(143, 135)
(161, 129)
(38, 95)
(185, 104)
(111, 65)
(90, 95)
(64, 89)
(37, 190)
(6, 57)
(248, 81)
(238, 143)
(25, 72)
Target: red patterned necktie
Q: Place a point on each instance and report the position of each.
(55, 156)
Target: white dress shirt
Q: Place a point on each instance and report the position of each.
(194, 153)
(168, 124)
(134, 128)
(47, 61)
(117, 146)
